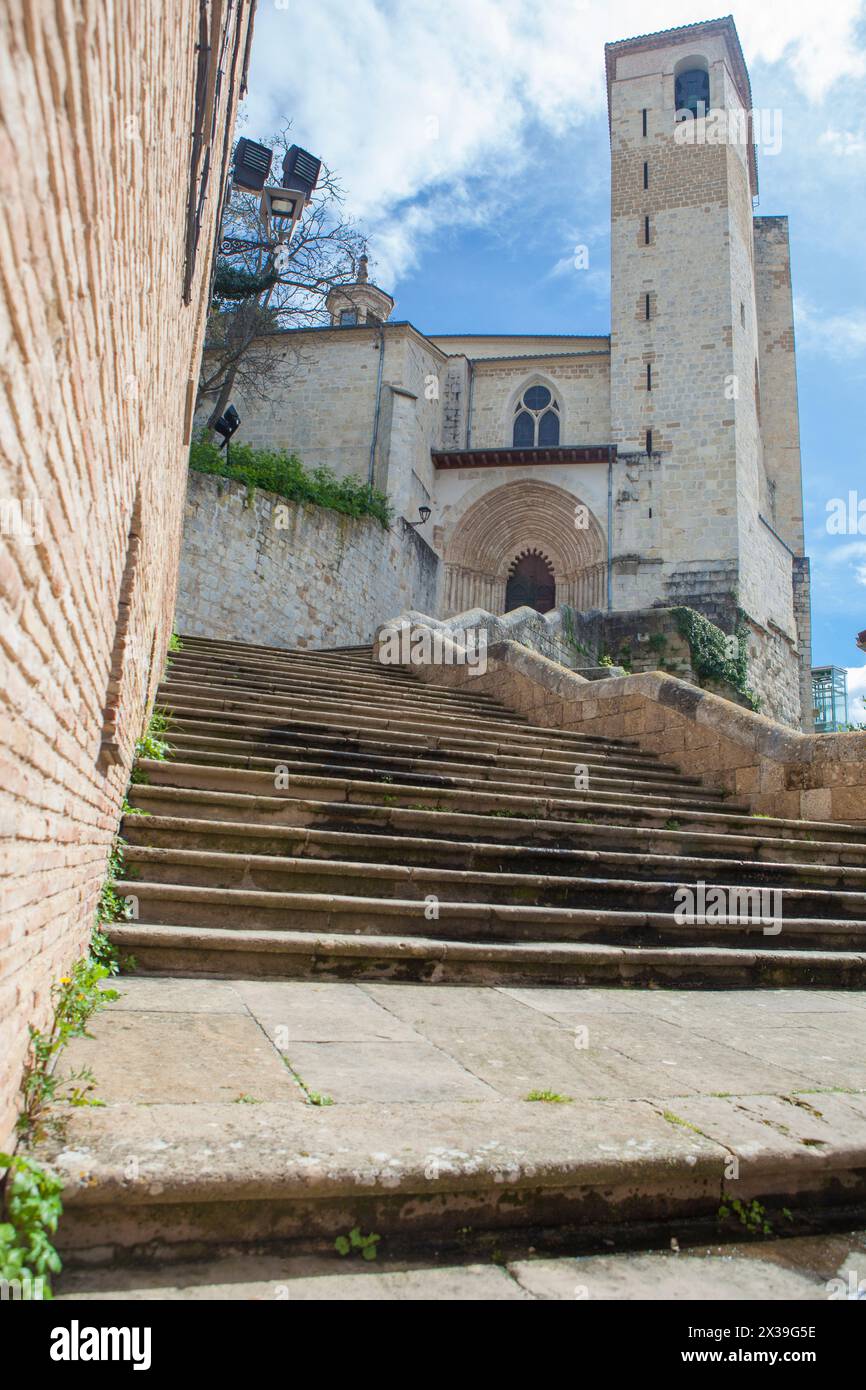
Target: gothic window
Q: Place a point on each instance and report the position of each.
(692, 92)
(536, 419)
(524, 430)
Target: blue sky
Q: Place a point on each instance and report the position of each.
(471, 138)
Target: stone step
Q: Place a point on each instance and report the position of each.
(199, 683)
(360, 878)
(164, 1183)
(349, 714)
(599, 807)
(347, 816)
(600, 787)
(230, 645)
(242, 837)
(506, 753)
(380, 763)
(387, 706)
(162, 948)
(375, 681)
(246, 909)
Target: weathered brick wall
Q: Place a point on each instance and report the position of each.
(100, 333)
(272, 572)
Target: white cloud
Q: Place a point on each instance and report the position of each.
(857, 694)
(840, 336)
(407, 99)
(849, 143)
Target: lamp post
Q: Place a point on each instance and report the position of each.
(281, 205)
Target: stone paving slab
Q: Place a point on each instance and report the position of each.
(165, 1058)
(798, 1270)
(304, 1012)
(412, 1072)
(200, 1041)
(214, 1131)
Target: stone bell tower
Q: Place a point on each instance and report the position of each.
(695, 371)
(358, 303)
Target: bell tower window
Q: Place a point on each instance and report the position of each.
(692, 92)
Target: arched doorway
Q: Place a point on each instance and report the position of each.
(531, 583)
(513, 520)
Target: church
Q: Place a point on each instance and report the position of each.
(656, 467)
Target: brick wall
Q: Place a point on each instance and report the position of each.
(105, 292)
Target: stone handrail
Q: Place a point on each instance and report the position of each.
(541, 632)
(775, 769)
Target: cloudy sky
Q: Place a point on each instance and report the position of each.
(471, 139)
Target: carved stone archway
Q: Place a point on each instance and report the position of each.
(517, 517)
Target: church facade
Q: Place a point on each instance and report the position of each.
(658, 466)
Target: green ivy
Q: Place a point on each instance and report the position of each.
(76, 997)
(232, 283)
(570, 635)
(710, 661)
(284, 474)
(152, 744)
(31, 1208)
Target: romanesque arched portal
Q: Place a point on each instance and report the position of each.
(520, 518)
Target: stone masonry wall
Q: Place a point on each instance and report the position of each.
(272, 572)
(101, 319)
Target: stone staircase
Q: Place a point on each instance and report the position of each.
(323, 817)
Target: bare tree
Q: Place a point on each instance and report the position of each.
(257, 294)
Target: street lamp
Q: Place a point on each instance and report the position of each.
(423, 516)
(282, 206)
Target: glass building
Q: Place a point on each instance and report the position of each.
(830, 698)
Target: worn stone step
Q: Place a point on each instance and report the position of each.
(391, 708)
(288, 811)
(382, 764)
(505, 753)
(265, 873)
(246, 909)
(146, 1184)
(599, 806)
(267, 681)
(349, 714)
(244, 837)
(600, 788)
(208, 687)
(231, 646)
(515, 728)
(172, 1182)
(172, 949)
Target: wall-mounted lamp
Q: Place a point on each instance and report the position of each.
(423, 515)
(301, 170)
(226, 426)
